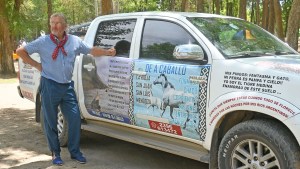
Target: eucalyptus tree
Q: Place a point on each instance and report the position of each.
(8, 11)
(293, 25)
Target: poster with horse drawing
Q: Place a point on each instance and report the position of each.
(166, 97)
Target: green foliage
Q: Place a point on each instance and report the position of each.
(159, 51)
(76, 11)
(27, 23)
(32, 17)
(126, 6)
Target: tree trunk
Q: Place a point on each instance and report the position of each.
(210, 6)
(271, 17)
(49, 12)
(172, 5)
(107, 7)
(252, 12)
(265, 14)
(213, 6)
(229, 8)
(184, 5)
(17, 5)
(200, 6)
(6, 45)
(217, 2)
(293, 25)
(278, 20)
(242, 9)
(257, 12)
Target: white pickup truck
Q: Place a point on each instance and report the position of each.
(212, 88)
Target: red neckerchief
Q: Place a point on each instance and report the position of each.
(59, 45)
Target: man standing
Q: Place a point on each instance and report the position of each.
(58, 51)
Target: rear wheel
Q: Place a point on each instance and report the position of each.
(258, 144)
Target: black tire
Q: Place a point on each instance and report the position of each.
(267, 138)
(62, 127)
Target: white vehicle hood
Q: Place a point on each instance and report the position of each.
(288, 64)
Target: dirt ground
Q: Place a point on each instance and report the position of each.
(22, 143)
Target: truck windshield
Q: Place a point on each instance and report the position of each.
(236, 38)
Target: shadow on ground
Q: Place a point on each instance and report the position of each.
(23, 146)
(22, 141)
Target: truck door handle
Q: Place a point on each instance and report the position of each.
(89, 67)
(141, 73)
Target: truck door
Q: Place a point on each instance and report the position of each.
(106, 80)
(169, 94)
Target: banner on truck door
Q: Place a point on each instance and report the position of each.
(106, 87)
(171, 98)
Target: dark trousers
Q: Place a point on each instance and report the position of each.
(56, 95)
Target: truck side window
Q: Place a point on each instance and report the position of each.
(79, 30)
(117, 34)
(160, 38)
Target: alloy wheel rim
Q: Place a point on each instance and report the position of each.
(60, 122)
(253, 154)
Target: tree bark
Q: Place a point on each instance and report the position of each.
(184, 5)
(257, 12)
(265, 15)
(210, 6)
(6, 45)
(49, 12)
(242, 9)
(293, 25)
(278, 20)
(229, 8)
(107, 7)
(172, 5)
(271, 17)
(217, 2)
(200, 6)
(17, 5)
(252, 12)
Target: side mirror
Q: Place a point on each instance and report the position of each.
(188, 51)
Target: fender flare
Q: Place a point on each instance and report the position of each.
(267, 104)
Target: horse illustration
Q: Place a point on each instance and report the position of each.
(154, 102)
(169, 94)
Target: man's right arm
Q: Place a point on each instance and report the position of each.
(27, 59)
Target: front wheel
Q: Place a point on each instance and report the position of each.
(258, 144)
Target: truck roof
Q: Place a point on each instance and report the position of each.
(169, 14)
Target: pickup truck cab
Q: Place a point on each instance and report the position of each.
(212, 88)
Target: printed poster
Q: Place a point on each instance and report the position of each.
(166, 97)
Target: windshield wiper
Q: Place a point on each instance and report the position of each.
(248, 54)
(283, 53)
